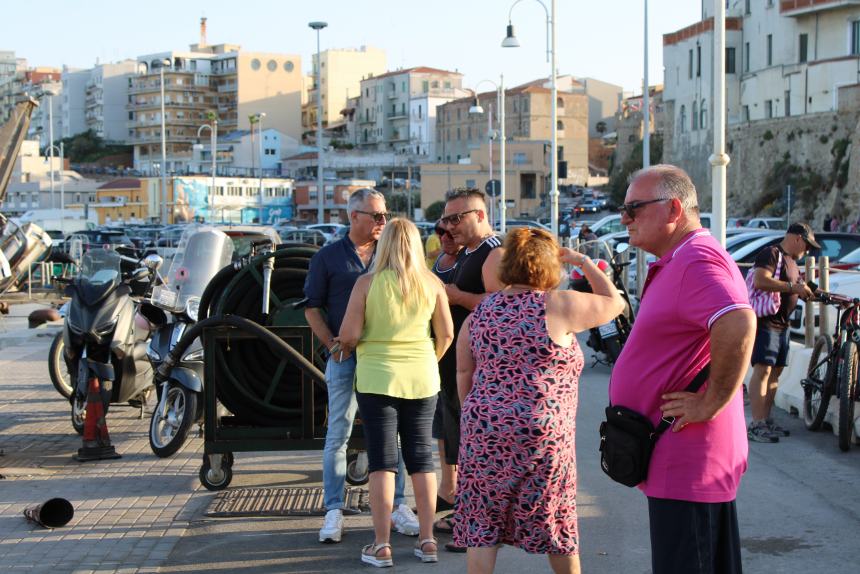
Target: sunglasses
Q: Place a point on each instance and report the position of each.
(378, 216)
(456, 218)
(630, 208)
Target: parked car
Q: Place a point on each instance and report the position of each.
(510, 223)
(245, 236)
(767, 223)
(327, 228)
(309, 236)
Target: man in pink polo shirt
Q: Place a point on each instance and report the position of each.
(694, 310)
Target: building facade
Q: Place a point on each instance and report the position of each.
(233, 83)
(784, 59)
(528, 117)
(74, 101)
(526, 179)
(106, 98)
(397, 110)
(341, 73)
(337, 194)
(238, 153)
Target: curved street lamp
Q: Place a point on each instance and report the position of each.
(258, 120)
(511, 41)
(477, 109)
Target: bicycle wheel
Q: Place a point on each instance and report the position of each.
(818, 387)
(847, 394)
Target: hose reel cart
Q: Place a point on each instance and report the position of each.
(261, 361)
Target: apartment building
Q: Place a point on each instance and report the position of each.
(50, 109)
(10, 68)
(74, 101)
(526, 179)
(105, 100)
(238, 153)
(223, 78)
(336, 200)
(397, 110)
(783, 59)
(341, 73)
(528, 117)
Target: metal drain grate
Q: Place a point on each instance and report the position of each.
(290, 501)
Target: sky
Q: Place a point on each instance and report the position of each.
(601, 39)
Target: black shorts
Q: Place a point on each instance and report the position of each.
(694, 537)
(438, 432)
(384, 418)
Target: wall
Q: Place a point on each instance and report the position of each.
(755, 147)
(276, 92)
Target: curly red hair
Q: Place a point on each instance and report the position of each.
(531, 258)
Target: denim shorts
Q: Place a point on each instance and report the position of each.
(770, 348)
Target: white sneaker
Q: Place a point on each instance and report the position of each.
(332, 528)
(404, 521)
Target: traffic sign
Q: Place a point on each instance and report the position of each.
(493, 188)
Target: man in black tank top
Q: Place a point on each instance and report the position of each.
(476, 275)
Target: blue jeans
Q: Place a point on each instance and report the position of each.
(340, 379)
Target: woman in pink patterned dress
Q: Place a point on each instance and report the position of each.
(518, 365)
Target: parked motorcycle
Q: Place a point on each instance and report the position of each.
(202, 252)
(607, 339)
(103, 337)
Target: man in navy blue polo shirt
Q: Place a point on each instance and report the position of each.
(332, 274)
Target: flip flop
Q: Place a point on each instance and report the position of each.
(444, 525)
(443, 505)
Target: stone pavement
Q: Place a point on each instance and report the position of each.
(797, 507)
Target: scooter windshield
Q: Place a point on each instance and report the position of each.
(100, 273)
(202, 252)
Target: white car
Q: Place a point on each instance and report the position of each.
(329, 229)
(766, 223)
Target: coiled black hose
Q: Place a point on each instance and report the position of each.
(258, 383)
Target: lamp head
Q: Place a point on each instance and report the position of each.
(510, 40)
(317, 25)
(166, 63)
(476, 107)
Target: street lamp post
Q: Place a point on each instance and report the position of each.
(213, 133)
(258, 120)
(477, 109)
(51, 146)
(61, 150)
(165, 63)
(510, 41)
(320, 189)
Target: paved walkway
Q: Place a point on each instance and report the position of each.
(140, 514)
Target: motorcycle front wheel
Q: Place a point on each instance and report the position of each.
(79, 413)
(57, 368)
(169, 427)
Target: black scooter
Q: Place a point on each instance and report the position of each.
(103, 336)
(607, 339)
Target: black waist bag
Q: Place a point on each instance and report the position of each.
(627, 439)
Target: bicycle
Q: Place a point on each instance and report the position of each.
(824, 375)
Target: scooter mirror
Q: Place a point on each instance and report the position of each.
(622, 247)
(153, 262)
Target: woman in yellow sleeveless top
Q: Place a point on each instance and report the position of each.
(397, 377)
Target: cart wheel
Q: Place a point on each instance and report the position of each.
(356, 468)
(215, 479)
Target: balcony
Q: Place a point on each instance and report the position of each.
(802, 7)
(138, 139)
(370, 120)
(397, 115)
